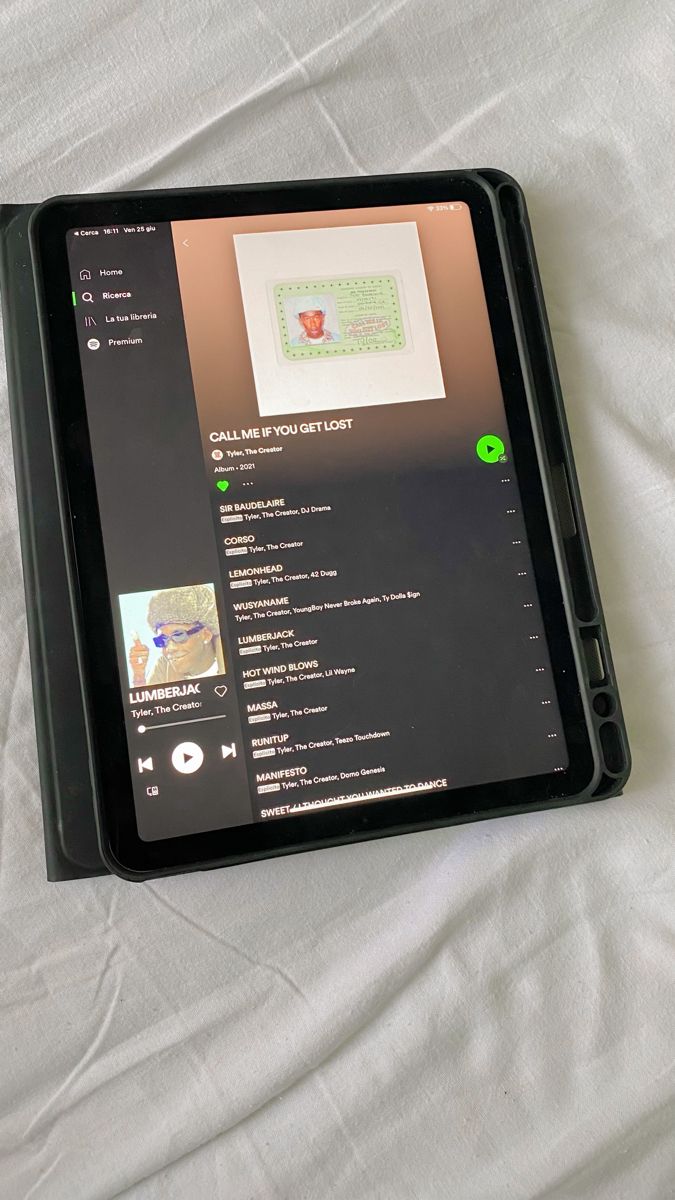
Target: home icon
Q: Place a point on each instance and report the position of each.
(85, 274)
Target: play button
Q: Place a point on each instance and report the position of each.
(490, 449)
(187, 758)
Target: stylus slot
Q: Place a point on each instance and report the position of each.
(584, 600)
(613, 750)
(542, 368)
(563, 501)
(527, 288)
(509, 202)
(595, 664)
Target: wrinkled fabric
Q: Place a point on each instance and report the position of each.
(477, 1013)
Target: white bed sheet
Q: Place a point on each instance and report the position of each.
(476, 1013)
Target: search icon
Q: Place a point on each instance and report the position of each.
(88, 297)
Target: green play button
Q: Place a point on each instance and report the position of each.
(490, 448)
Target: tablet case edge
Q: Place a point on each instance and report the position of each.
(585, 613)
(71, 842)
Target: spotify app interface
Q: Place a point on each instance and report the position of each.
(317, 560)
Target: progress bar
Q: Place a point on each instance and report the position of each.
(187, 721)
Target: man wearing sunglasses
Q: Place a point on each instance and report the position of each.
(185, 628)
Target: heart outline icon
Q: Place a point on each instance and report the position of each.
(221, 690)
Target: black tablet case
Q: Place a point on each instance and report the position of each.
(71, 841)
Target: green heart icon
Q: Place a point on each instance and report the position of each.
(223, 484)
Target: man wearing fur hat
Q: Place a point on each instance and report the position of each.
(186, 628)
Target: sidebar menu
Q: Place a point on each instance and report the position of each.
(184, 733)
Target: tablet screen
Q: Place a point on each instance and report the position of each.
(317, 559)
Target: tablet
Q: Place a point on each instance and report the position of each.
(315, 569)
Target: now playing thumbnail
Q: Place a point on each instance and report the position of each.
(171, 635)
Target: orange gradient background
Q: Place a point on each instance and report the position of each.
(432, 430)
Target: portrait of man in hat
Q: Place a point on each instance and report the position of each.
(185, 629)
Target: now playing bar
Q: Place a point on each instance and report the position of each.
(174, 755)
